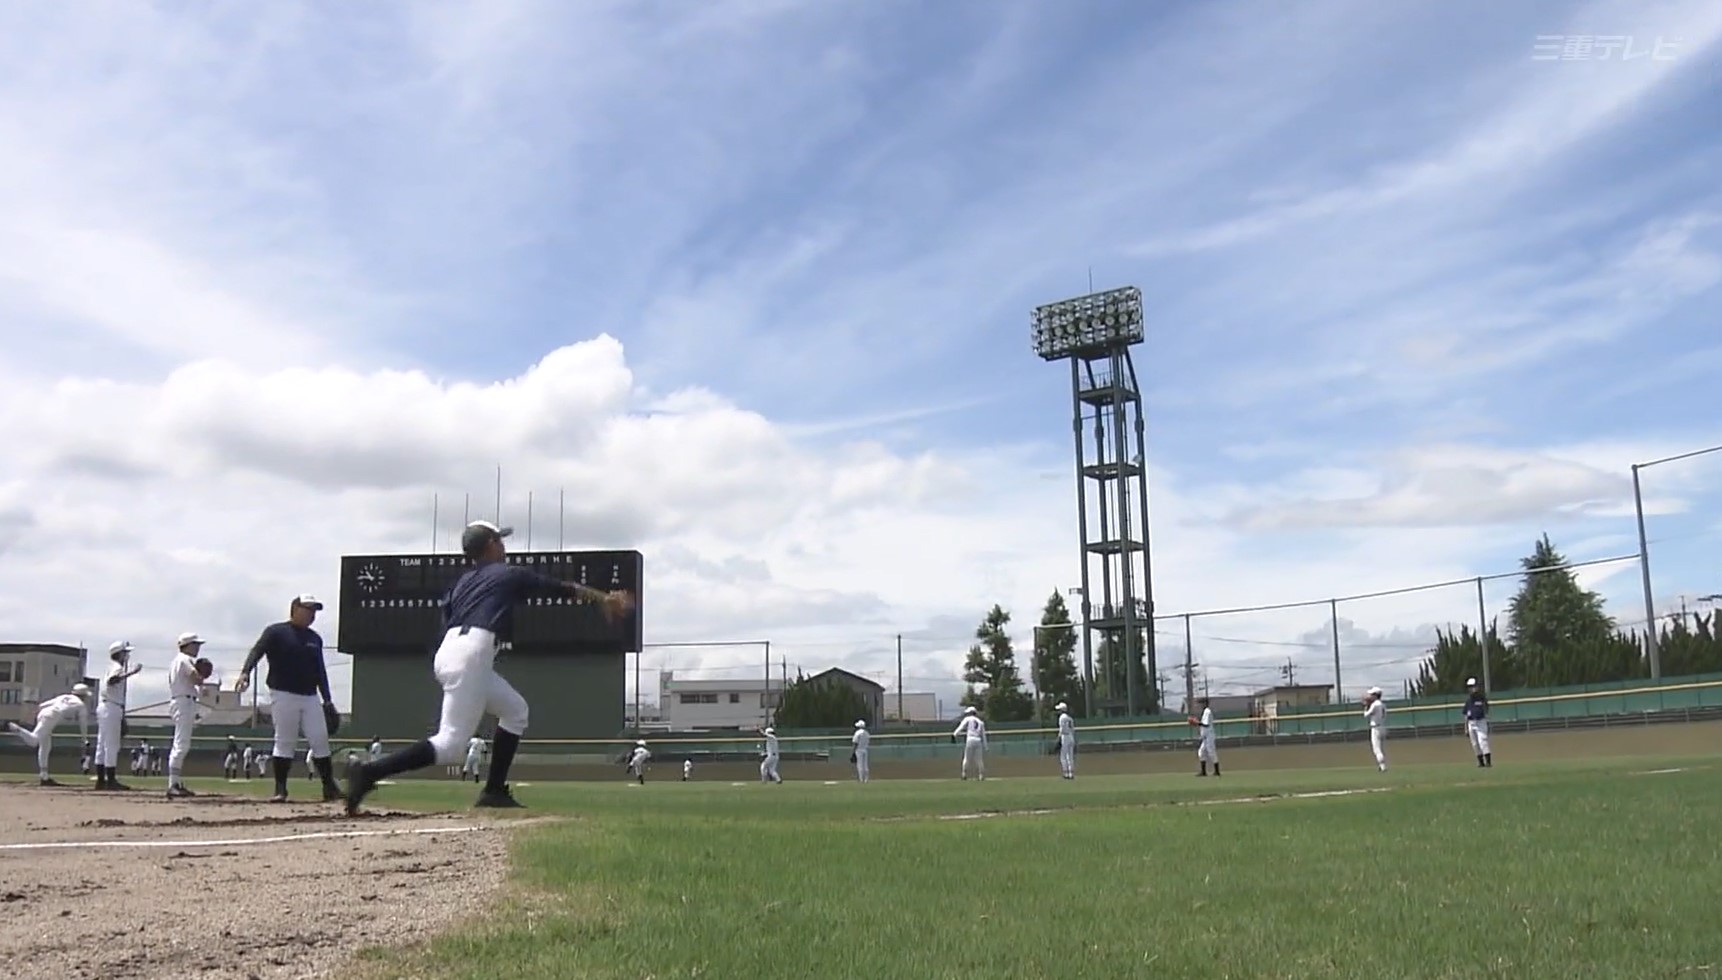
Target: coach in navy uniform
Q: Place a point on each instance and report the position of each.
(297, 676)
(478, 622)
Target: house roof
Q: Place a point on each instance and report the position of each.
(848, 677)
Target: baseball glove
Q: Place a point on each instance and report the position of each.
(331, 717)
(204, 667)
(851, 757)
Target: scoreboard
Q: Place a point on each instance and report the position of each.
(394, 602)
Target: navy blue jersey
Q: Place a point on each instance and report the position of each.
(484, 597)
(1476, 707)
(295, 655)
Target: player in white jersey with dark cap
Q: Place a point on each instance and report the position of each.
(974, 735)
(48, 717)
(478, 623)
(474, 756)
(1066, 741)
(858, 750)
(184, 683)
(1207, 749)
(111, 715)
(769, 760)
(1375, 710)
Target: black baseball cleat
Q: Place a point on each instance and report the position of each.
(47, 781)
(359, 786)
(116, 784)
(333, 794)
(502, 799)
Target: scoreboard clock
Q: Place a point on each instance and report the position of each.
(393, 602)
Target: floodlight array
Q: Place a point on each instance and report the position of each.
(1087, 323)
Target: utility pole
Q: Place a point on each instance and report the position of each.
(1189, 667)
(1289, 672)
(765, 693)
(900, 717)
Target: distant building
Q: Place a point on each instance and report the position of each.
(651, 718)
(215, 707)
(698, 705)
(915, 706)
(1224, 705)
(871, 691)
(1270, 701)
(31, 673)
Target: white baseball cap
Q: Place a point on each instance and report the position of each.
(80, 689)
(1060, 706)
(119, 646)
(1470, 682)
(187, 639)
(969, 710)
(308, 600)
(1375, 691)
(861, 724)
(641, 743)
(771, 731)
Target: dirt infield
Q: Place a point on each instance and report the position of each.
(132, 885)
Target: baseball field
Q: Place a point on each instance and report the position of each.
(1588, 855)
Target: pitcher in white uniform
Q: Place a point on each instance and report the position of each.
(974, 734)
(637, 761)
(48, 717)
(858, 752)
(768, 765)
(111, 715)
(1207, 749)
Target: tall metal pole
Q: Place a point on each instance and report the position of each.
(435, 499)
(1483, 634)
(1333, 617)
(466, 511)
(765, 696)
(1151, 649)
(1189, 667)
(1650, 642)
(499, 495)
(1082, 526)
(561, 514)
(1034, 676)
(1122, 499)
(900, 679)
(639, 720)
(529, 520)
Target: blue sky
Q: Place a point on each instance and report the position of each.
(1414, 295)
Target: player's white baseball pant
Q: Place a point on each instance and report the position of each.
(768, 770)
(975, 757)
(1066, 755)
(465, 666)
(1206, 751)
(183, 710)
(1479, 732)
(471, 767)
(297, 714)
(41, 738)
(863, 771)
(1378, 745)
(108, 718)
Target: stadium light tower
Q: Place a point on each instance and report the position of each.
(1095, 333)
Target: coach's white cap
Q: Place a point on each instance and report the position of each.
(1375, 690)
(1470, 682)
(308, 601)
(969, 710)
(187, 639)
(1060, 706)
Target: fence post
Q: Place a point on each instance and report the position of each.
(1189, 669)
(1333, 617)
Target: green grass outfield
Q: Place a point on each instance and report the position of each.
(1560, 870)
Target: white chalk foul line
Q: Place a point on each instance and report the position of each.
(1239, 799)
(238, 841)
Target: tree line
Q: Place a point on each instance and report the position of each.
(1557, 634)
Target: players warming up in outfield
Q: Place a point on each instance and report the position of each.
(478, 620)
(474, 755)
(974, 735)
(185, 678)
(858, 753)
(637, 761)
(1477, 723)
(297, 675)
(769, 759)
(1375, 710)
(687, 769)
(48, 717)
(111, 714)
(1207, 751)
(1066, 741)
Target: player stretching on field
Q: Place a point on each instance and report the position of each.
(478, 621)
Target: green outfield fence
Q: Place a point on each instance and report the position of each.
(1640, 700)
